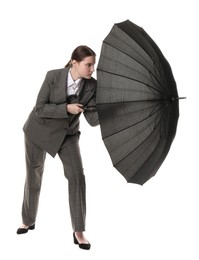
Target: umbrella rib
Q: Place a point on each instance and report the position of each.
(142, 142)
(140, 63)
(132, 101)
(134, 123)
(115, 74)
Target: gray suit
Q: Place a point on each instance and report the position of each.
(49, 128)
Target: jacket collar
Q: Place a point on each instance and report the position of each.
(85, 87)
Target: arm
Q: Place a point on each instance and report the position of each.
(91, 113)
(43, 106)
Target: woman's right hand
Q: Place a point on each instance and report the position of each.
(75, 108)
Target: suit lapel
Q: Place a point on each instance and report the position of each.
(86, 89)
(86, 92)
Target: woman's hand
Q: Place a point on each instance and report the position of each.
(75, 108)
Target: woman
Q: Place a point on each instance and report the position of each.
(53, 127)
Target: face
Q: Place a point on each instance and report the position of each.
(84, 68)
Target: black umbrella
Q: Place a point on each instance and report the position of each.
(137, 102)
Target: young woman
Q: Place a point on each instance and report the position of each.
(53, 127)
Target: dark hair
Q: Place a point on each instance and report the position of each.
(80, 53)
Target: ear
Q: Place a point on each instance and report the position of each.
(73, 62)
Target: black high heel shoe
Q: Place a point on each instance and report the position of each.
(82, 246)
(25, 230)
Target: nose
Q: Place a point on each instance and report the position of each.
(92, 68)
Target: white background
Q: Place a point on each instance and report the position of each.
(158, 220)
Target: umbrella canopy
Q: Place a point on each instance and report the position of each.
(137, 102)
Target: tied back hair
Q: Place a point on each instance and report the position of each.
(79, 54)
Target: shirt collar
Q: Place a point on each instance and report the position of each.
(71, 81)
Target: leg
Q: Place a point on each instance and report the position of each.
(69, 154)
(35, 158)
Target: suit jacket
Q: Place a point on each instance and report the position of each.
(49, 122)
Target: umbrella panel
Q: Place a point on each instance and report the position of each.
(118, 64)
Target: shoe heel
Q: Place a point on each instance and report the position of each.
(32, 227)
(75, 239)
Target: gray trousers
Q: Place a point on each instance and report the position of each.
(69, 154)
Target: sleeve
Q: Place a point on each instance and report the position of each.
(43, 107)
(90, 111)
